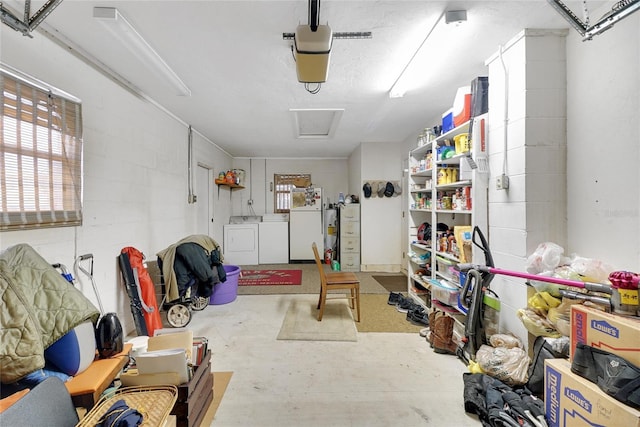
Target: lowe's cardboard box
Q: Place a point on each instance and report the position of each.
(571, 400)
(616, 334)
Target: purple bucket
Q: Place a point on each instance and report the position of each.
(226, 291)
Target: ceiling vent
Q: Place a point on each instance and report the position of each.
(316, 123)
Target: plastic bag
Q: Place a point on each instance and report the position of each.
(560, 316)
(546, 258)
(505, 340)
(592, 270)
(541, 302)
(509, 365)
(538, 326)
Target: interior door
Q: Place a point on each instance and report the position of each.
(204, 180)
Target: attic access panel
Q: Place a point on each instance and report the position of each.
(316, 123)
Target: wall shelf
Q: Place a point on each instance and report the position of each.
(231, 187)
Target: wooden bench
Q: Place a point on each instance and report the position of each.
(87, 387)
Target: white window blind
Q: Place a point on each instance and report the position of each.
(40, 157)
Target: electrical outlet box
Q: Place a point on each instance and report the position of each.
(250, 202)
(502, 182)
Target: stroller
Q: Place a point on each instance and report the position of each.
(179, 310)
(189, 284)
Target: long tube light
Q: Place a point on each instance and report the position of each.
(399, 86)
(117, 24)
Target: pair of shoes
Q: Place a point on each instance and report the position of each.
(418, 316)
(406, 305)
(394, 298)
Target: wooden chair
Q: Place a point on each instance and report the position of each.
(337, 280)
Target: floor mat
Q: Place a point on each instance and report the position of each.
(393, 283)
(269, 277)
(220, 383)
(301, 321)
(378, 316)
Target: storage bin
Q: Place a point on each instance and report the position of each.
(447, 121)
(462, 106)
(226, 291)
(443, 265)
(446, 293)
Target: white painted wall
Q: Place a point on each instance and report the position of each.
(381, 217)
(330, 174)
(603, 158)
(135, 172)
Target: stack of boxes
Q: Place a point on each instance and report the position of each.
(571, 400)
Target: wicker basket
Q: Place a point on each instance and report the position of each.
(154, 403)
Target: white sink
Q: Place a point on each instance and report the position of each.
(251, 219)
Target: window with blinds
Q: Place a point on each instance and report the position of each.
(40, 156)
(283, 184)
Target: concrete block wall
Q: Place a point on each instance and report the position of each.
(528, 145)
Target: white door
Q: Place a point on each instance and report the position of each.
(204, 178)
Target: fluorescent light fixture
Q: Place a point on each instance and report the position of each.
(113, 20)
(404, 80)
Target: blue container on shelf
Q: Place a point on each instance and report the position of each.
(227, 291)
(447, 121)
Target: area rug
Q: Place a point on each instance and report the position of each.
(393, 282)
(301, 322)
(220, 383)
(269, 277)
(378, 316)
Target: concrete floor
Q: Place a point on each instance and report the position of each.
(383, 379)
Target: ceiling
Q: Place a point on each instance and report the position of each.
(242, 76)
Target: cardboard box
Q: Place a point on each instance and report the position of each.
(571, 400)
(616, 334)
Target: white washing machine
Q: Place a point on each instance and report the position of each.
(240, 245)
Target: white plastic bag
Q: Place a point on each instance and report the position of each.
(592, 270)
(546, 258)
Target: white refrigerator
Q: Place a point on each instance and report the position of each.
(305, 223)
